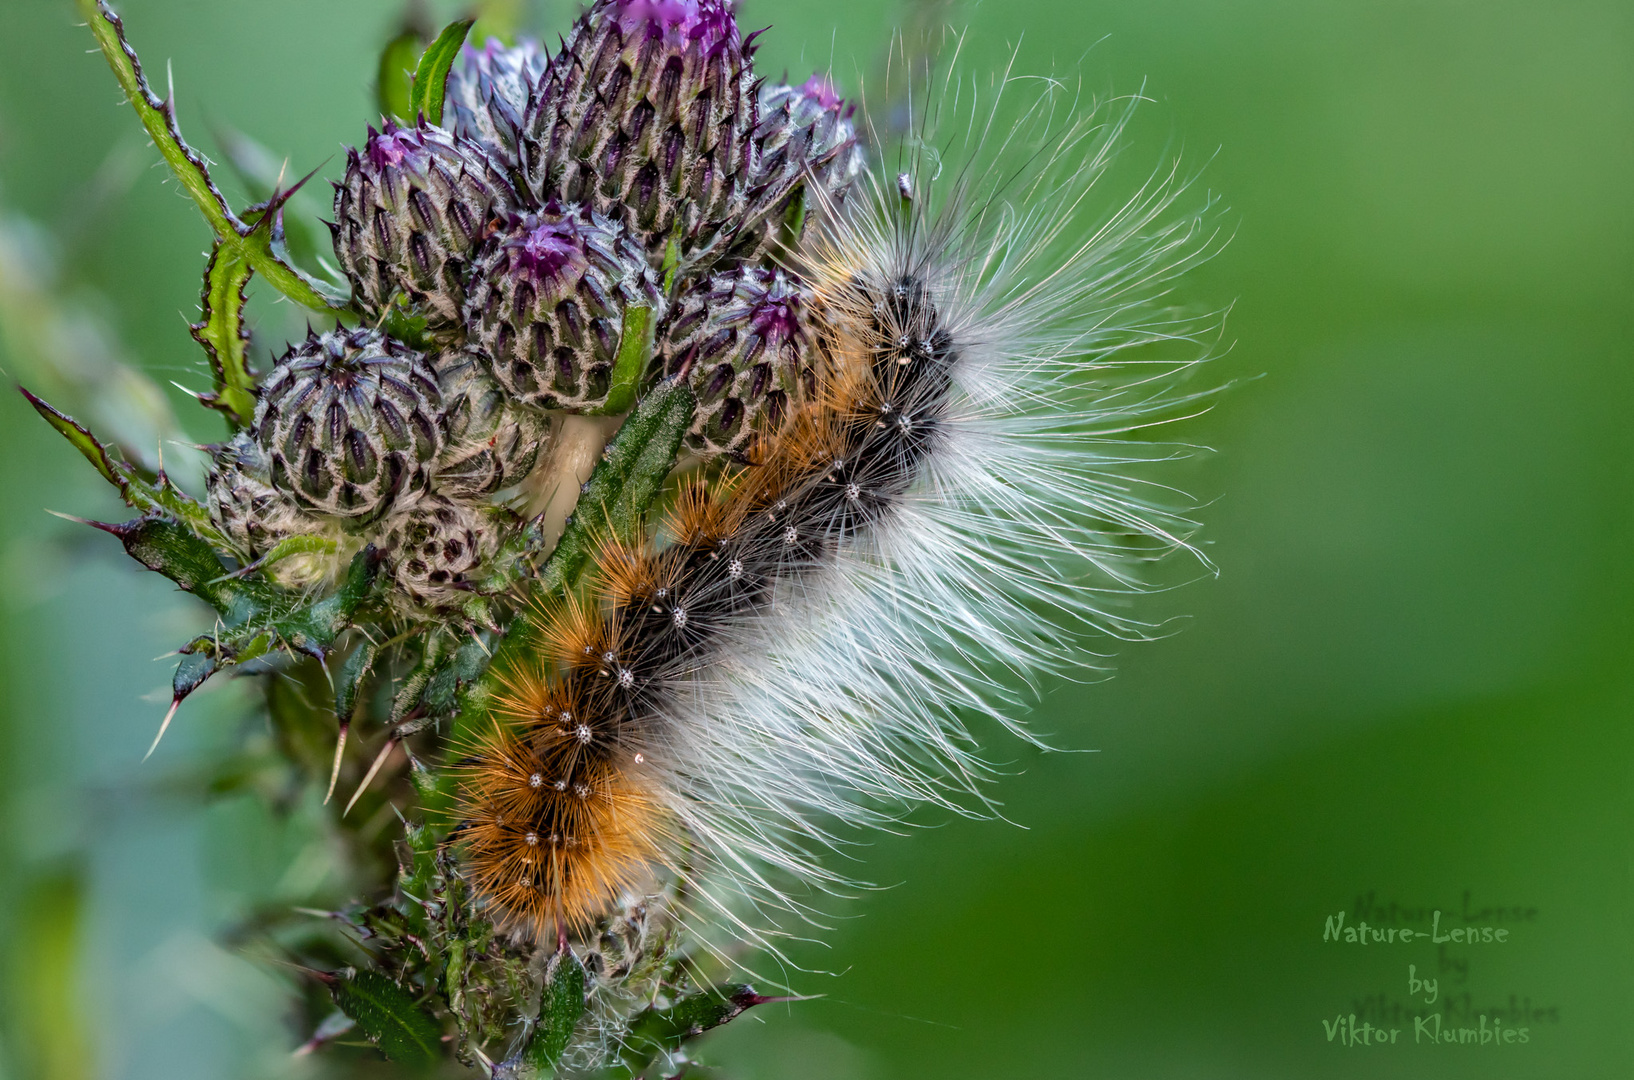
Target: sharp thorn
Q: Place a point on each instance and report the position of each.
(334, 770)
(163, 727)
(368, 778)
(112, 528)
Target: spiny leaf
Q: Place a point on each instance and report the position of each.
(222, 333)
(392, 82)
(560, 1007)
(454, 671)
(159, 496)
(388, 1015)
(191, 673)
(352, 673)
(168, 548)
(82, 440)
(158, 116)
(431, 77)
(656, 1031)
(262, 174)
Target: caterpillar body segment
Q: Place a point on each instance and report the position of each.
(953, 508)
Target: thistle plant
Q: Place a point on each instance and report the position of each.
(657, 490)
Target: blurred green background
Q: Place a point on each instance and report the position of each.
(1411, 682)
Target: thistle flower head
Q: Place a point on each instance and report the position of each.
(242, 501)
(348, 420)
(412, 207)
(488, 92)
(489, 442)
(548, 300)
(742, 340)
(646, 115)
(804, 137)
(432, 549)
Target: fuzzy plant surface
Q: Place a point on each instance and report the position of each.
(661, 491)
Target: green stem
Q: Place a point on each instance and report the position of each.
(158, 116)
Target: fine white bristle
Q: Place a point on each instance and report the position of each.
(960, 509)
(1023, 530)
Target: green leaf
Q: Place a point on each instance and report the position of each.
(454, 671)
(388, 1015)
(262, 174)
(166, 547)
(615, 500)
(560, 1006)
(431, 77)
(634, 348)
(81, 439)
(158, 116)
(191, 673)
(158, 496)
(392, 79)
(352, 673)
(656, 1031)
(226, 342)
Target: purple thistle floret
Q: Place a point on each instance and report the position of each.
(707, 23)
(820, 89)
(775, 318)
(551, 250)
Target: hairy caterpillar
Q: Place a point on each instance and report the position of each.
(934, 524)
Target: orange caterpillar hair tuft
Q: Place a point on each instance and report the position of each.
(559, 817)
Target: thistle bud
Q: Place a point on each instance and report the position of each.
(647, 113)
(488, 92)
(243, 502)
(742, 341)
(548, 303)
(805, 137)
(489, 443)
(349, 423)
(413, 206)
(430, 551)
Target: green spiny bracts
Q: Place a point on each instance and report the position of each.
(243, 502)
(805, 137)
(488, 93)
(414, 205)
(488, 443)
(647, 113)
(434, 550)
(548, 298)
(742, 339)
(349, 423)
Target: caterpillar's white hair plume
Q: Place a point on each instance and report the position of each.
(956, 508)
